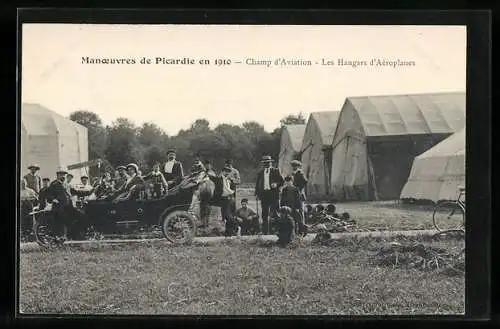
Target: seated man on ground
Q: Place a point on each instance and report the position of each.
(247, 219)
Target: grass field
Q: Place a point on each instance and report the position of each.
(234, 277)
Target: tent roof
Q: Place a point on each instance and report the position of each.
(39, 120)
(326, 121)
(296, 133)
(453, 145)
(410, 114)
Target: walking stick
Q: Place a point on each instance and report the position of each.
(257, 208)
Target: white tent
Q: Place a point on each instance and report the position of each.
(437, 173)
(291, 142)
(316, 152)
(378, 137)
(51, 140)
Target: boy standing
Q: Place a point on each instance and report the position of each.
(290, 197)
(160, 185)
(286, 226)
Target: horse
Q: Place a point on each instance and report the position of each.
(209, 192)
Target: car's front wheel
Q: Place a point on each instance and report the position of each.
(44, 233)
(179, 227)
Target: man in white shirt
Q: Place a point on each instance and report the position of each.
(173, 170)
(267, 190)
(234, 178)
(84, 188)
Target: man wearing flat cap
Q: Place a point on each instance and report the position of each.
(173, 170)
(62, 207)
(267, 190)
(32, 179)
(84, 189)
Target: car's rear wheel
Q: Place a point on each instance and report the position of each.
(179, 227)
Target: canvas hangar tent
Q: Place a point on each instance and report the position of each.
(316, 156)
(378, 137)
(291, 142)
(436, 174)
(50, 140)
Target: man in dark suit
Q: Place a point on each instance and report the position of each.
(62, 207)
(267, 190)
(300, 181)
(173, 170)
(42, 196)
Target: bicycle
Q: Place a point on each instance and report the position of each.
(450, 215)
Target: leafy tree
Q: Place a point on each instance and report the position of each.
(124, 146)
(123, 142)
(153, 154)
(238, 144)
(97, 135)
(150, 134)
(86, 118)
(254, 130)
(292, 119)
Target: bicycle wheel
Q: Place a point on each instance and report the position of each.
(448, 216)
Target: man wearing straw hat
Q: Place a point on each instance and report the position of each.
(267, 190)
(32, 179)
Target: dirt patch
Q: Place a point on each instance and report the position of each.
(421, 256)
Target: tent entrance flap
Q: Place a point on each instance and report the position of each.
(391, 162)
(390, 174)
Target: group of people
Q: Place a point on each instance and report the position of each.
(279, 196)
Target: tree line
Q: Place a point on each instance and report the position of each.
(123, 142)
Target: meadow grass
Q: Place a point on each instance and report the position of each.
(235, 277)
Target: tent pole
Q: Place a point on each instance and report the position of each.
(372, 176)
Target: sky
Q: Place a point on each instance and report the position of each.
(174, 96)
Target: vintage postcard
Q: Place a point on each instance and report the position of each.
(242, 169)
